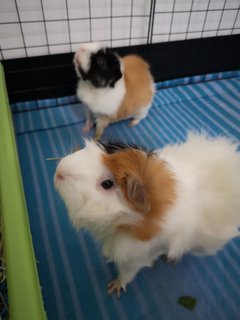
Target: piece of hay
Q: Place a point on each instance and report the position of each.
(53, 159)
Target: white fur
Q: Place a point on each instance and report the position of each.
(207, 212)
(204, 217)
(82, 56)
(89, 205)
(101, 100)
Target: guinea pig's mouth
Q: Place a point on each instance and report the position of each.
(113, 81)
(62, 178)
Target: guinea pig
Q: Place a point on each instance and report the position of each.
(112, 88)
(143, 204)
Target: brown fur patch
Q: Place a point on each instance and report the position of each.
(139, 87)
(139, 92)
(148, 186)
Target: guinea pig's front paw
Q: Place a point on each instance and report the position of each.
(116, 285)
(133, 122)
(172, 262)
(87, 127)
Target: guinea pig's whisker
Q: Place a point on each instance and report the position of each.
(59, 197)
(102, 226)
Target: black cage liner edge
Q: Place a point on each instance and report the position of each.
(54, 76)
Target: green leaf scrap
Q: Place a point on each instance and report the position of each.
(187, 302)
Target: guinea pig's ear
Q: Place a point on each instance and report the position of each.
(75, 60)
(136, 194)
(76, 65)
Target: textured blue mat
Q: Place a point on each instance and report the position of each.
(72, 272)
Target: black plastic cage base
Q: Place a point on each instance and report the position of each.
(54, 76)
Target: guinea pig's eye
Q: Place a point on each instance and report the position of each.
(107, 184)
(101, 61)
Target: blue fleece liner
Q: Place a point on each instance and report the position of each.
(72, 271)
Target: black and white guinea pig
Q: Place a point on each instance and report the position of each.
(140, 205)
(112, 88)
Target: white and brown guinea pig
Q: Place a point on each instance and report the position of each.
(182, 199)
(112, 88)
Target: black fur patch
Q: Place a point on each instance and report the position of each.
(104, 69)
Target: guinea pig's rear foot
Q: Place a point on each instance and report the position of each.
(133, 122)
(139, 116)
(170, 261)
(97, 137)
(102, 123)
(115, 285)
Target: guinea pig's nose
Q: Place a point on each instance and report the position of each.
(59, 176)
